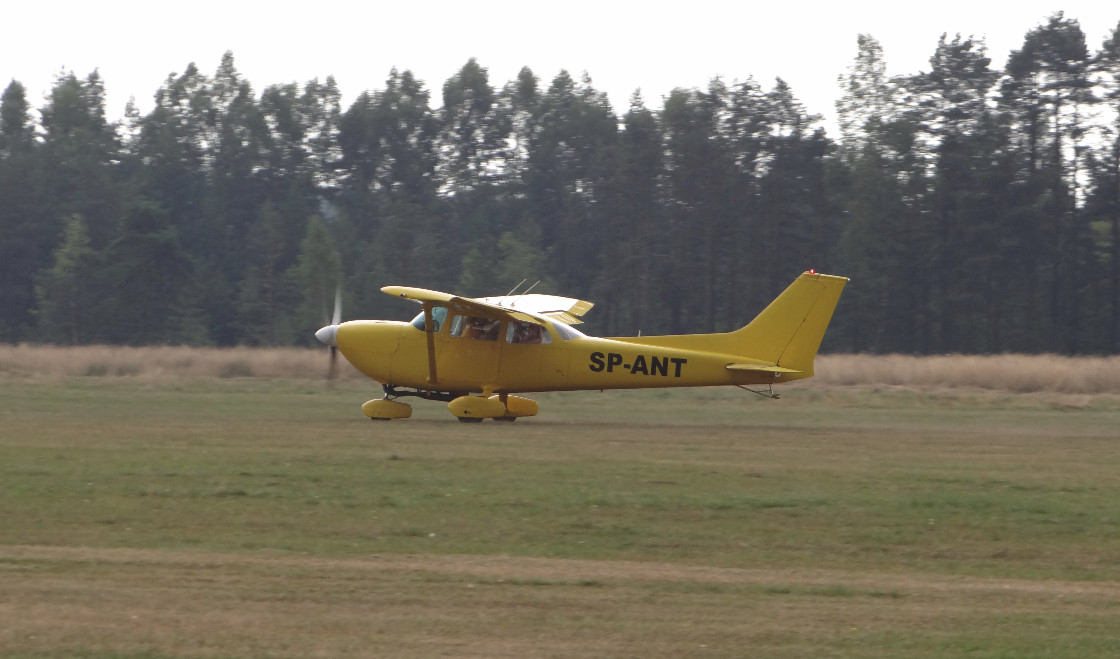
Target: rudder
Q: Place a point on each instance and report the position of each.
(789, 330)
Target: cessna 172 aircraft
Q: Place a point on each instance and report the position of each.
(475, 353)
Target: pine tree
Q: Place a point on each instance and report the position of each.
(1045, 93)
(27, 233)
(317, 277)
(145, 274)
(632, 280)
(265, 298)
(67, 292)
(1104, 203)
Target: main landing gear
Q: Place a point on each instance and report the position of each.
(467, 408)
(500, 407)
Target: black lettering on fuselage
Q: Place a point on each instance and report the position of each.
(639, 366)
(652, 365)
(613, 359)
(678, 362)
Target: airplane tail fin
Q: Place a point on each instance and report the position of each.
(782, 340)
(789, 330)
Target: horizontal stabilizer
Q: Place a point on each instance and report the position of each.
(761, 368)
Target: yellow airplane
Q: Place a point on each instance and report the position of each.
(475, 353)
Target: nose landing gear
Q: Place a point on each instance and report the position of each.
(383, 409)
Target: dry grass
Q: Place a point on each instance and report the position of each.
(117, 602)
(162, 363)
(1010, 373)
(1006, 373)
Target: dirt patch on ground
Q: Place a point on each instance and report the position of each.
(79, 599)
(548, 569)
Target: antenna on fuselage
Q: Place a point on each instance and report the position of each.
(510, 293)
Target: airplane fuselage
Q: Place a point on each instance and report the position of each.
(396, 353)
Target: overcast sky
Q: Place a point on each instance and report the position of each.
(622, 45)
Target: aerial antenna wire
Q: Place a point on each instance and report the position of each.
(510, 293)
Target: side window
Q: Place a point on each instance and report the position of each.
(439, 314)
(517, 332)
(471, 327)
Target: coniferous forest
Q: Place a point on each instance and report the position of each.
(976, 210)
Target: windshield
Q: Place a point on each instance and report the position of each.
(439, 314)
(566, 333)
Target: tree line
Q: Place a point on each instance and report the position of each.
(976, 210)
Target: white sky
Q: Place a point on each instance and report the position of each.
(654, 45)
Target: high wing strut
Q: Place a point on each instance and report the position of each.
(429, 330)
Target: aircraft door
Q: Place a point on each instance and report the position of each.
(469, 354)
(533, 359)
(554, 368)
(524, 346)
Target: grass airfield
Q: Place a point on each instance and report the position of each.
(251, 517)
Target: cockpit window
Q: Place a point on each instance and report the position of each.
(472, 327)
(518, 332)
(439, 314)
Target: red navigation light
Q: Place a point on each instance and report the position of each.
(812, 271)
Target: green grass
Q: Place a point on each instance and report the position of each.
(828, 523)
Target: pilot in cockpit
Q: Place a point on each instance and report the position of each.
(483, 329)
(526, 333)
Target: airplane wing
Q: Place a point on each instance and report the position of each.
(416, 294)
(561, 309)
(463, 305)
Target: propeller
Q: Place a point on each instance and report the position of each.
(329, 335)
(332, 370)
